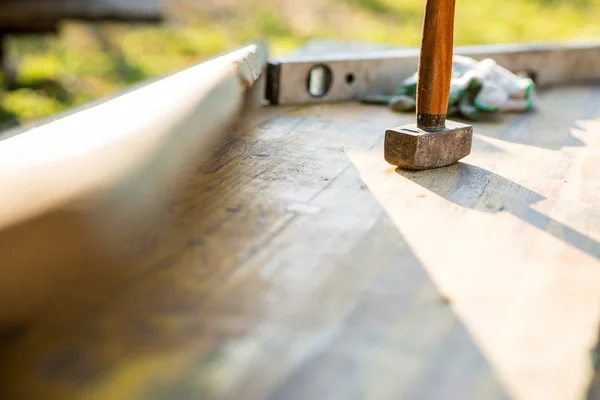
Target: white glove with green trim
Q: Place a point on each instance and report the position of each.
(476, 88)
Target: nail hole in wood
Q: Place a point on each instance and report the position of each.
(350, 79)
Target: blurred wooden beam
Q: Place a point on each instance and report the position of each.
(92, 149)
(120, 160)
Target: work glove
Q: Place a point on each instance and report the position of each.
(476, 88)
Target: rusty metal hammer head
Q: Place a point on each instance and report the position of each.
(412, 147)
(431, 142)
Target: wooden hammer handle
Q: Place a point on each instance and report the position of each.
(435, 64)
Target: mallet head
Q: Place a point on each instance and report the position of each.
(411, 147)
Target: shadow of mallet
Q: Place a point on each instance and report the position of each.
(432, 142)
(479, 189)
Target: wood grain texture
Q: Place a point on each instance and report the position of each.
(435, 64)
(298, 265)
(66, 184)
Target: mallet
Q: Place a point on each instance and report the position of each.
(432, 142)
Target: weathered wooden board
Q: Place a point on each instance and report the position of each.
(299, 265)
(76, 187)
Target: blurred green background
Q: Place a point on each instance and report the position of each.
(87, 61)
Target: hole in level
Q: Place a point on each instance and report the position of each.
(319, 80)
(350, 79)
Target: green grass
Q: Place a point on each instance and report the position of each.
(85, 62)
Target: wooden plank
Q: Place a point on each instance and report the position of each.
(521, 266)
(122, 158)
(383, 71)
(298, 264)
(91, 149)
(260, 285)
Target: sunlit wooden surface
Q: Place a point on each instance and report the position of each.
(297, 264)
